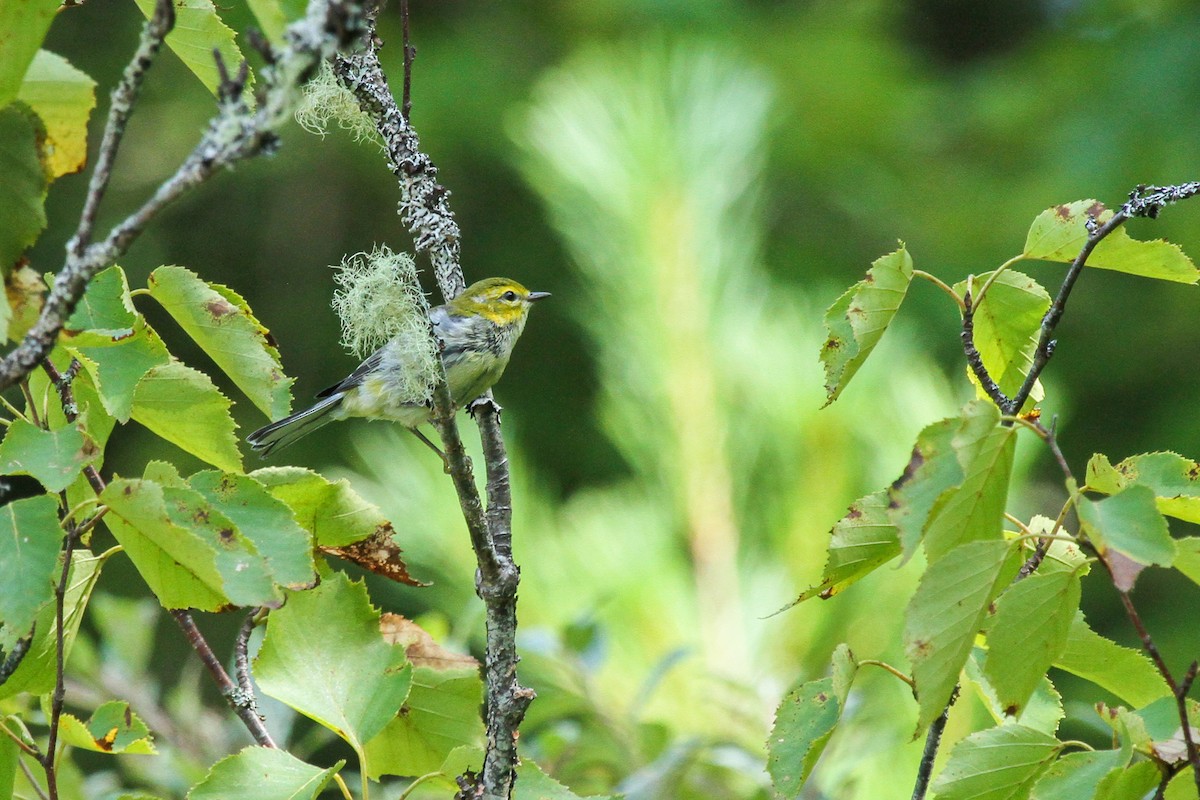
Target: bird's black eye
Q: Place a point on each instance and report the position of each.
(509, 296)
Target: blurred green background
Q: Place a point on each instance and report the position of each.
(695, 181)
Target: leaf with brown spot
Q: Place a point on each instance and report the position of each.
(113, 728)
(421, 648)
(1059, 233)
(857, 320)
(220, 321)
(377, 553)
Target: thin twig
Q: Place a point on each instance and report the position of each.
(235, 133)
(121, 104)
(425, 211)
(410, 53)
(1178, 690)
(241, 655)
(229, 690)
(14, 657)
(57, 698)
(933, 739)
(32, 780)
(974, 359)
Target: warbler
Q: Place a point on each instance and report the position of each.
(477, 329)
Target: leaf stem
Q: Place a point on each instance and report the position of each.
(889, 668)
(938, 282)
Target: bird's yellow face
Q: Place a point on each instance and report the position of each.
(501, 301)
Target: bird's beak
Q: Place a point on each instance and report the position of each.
(534, 296)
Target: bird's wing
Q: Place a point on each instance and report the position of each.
(355, 378)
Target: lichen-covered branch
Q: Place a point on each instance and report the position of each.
(425, 210)
(235, 133)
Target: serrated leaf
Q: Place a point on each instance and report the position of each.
(1001, 763)
(804, 721)
(63, 98)
(30, 540)
(23, 26)
(177, 561)
(1126, 673)
(112, 728)
(1029, 631)
(1043, 711)
(440, 715)
(1181, 787)
(860, 542)
(26, 292)
(105, 308)
(858, 318)
(274, 16)
(198, 31)
(1131, 783)
(323, 655)
(1174, 479)
(1187, 557)
(1059, 233)
(55, 457)
(1007, 325)
(533, 784)
(220, 321)
(946, 611)
(263, 773)
(1129, 524)
(22, 186)
(974, 510)
(933, 469)
(1076, 776)
(181, 405)
(266, 521)
(341, 522)
(117, 364)
(36, 673)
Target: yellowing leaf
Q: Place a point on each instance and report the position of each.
(63, 98)
(197, 32)
(183, 406)
(1059, 233)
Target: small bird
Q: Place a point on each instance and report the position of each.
(478, 329)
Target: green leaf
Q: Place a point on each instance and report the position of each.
(974, 510)
(1001, 763)
(856, 320)
(1007, 325)
(440, 715)
(860, 542)
(1075, 776)
(265, 521)
(1029, 631)
(36, 673)
(274, 16)
(1126, 673)
(323, 655)
(330, 510)
(55, 458)
(946, 612)
(1181, 787)
(220, 321)
(933, 470)
(8, 765)
(30, 540)
(105, 308)
(23, 26)
(112, 728)
(533, 784)
(183, 406)
(118, 364)
(1059, 233)
(197, 32)
(1129, 524)
(1131, 783)
(1043, 712)
(190, 554)
(263, 773)
(1174, 479)
(1187, 559)
(63, 98)
(25, 291)
(806, 718)
(22, 185)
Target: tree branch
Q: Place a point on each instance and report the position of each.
(425, 211)
(235, 133)
(933, 740)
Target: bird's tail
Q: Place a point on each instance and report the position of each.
(271, 437)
